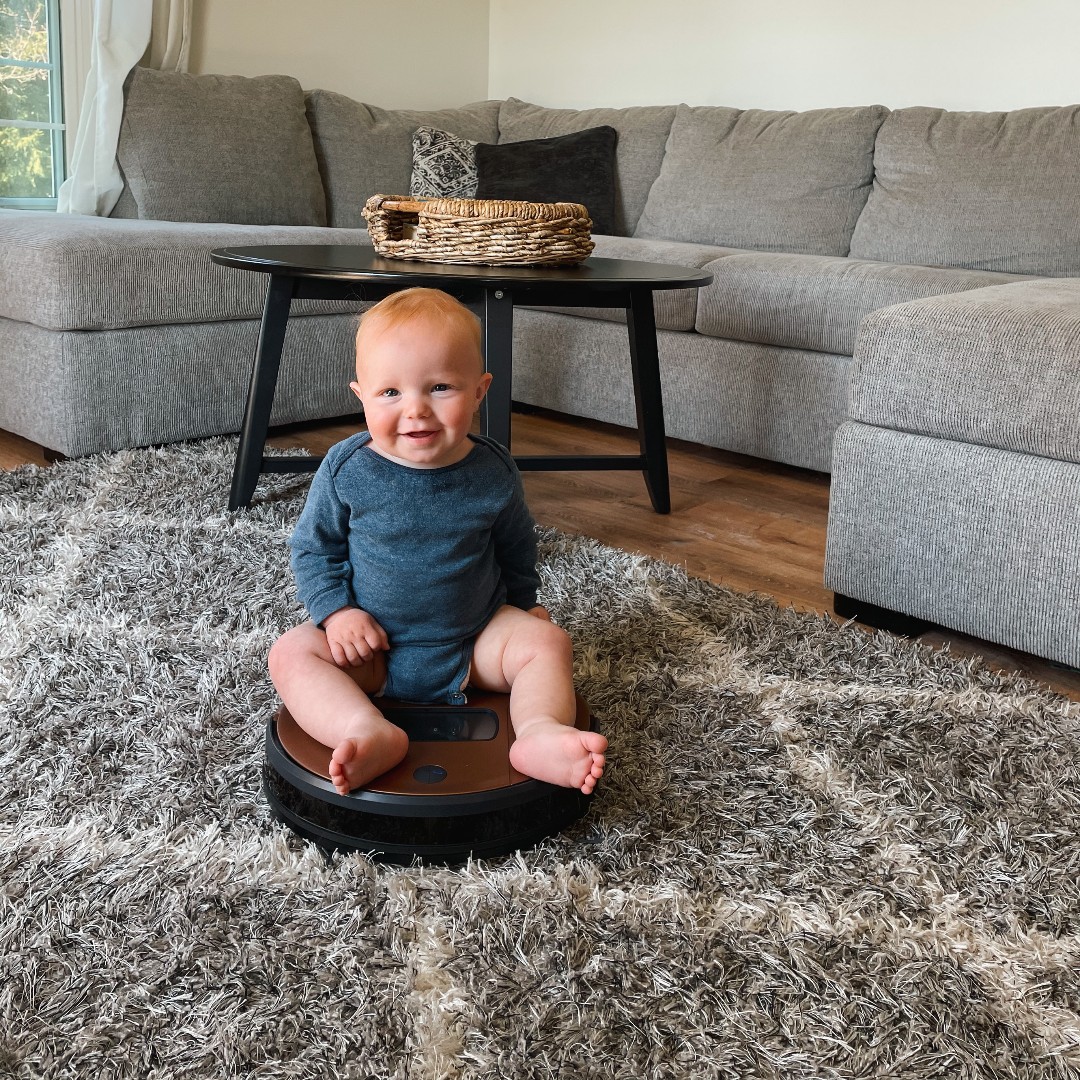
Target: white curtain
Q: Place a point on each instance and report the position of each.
(156, 33)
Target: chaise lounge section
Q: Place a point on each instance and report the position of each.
(955, 494)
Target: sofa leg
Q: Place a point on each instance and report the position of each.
(881, 618)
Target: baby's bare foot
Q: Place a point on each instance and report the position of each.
(560, 754)
(366, 754)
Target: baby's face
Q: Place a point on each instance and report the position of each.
(421, 384)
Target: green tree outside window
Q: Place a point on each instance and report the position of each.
(31, 128)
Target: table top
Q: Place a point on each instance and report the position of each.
(350, 262)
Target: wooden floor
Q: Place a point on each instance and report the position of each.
(749, 524)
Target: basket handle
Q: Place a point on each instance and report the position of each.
(406, 206)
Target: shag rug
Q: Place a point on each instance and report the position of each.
(816, 853)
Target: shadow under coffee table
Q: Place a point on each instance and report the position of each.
(326, 272)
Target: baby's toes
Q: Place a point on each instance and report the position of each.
(594, 742)
(343, 754)
(337, 776)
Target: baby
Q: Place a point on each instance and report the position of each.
(415, 557)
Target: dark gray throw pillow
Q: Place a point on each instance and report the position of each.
(579, 167)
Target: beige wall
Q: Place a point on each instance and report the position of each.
(419, 55)
(781, 54)
(787, 54)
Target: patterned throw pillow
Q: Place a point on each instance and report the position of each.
(444, 165)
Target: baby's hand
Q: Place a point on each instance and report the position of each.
(353, 636)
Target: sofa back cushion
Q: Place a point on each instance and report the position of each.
(222, 148)
(364, 150)
(763, 180)
(642, 132)
(981, 190)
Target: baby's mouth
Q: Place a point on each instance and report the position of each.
(418, 436)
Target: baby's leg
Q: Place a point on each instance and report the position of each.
(332, 705)
(533, 660)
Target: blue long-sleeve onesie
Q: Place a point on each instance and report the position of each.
(431, 554)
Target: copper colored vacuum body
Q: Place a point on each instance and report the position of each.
(454, 795)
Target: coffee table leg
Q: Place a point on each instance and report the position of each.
(264, 373)
(645, 363)
(498, 317)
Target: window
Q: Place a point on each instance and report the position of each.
(31, 109)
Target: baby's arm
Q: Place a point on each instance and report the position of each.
(320, 550)
(354, 636)
(514, 535)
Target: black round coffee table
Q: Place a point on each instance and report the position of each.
(329, 272)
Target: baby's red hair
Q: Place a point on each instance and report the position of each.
(439, 308)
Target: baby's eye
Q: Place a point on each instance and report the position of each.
(389, 392)
(440, 387)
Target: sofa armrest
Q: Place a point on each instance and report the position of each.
(997, 367)
(75, 272)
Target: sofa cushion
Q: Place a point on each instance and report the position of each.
(364, 150)
(815, 301)
(642, 133)
(219, 148)
(768, 181)
(674, 309)
(997, 367)
(984, 190)
(576, 168)
(70, 272)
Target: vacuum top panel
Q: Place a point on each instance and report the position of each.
(453, 749)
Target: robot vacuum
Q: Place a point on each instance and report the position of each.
(454, 795)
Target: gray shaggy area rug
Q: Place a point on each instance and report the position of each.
(815, 853)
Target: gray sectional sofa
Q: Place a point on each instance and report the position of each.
(910, 278)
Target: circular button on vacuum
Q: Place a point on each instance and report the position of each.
(430, 774)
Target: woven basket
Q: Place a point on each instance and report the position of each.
(492, 232)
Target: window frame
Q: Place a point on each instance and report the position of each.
(55, 126)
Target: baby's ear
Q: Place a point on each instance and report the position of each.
(482, 385)
(355, 388)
